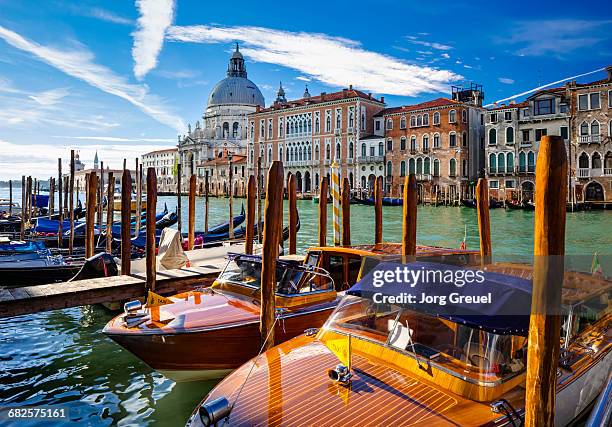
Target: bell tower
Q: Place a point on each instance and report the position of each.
(236, 66)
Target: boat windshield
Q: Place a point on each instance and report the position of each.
(468, 352)
(290, 280)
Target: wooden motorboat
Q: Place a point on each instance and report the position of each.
(415, 367)
(207, 333)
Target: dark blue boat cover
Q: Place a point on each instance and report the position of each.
(506, 310)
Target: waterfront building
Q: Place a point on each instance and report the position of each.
(311, 133)
(440, 141)
(164, 163)
(218, 170)
(224, 125)
(591, 136)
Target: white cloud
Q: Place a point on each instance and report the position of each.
(155, 17)
(50, 97)
(177, 74)
(42, 158)
(303, 78)
(117, 139)
(445, 55)
(506, 80)
(557, 36)
(332, 60)
(79, 64)
(107, 16)
(433, 45)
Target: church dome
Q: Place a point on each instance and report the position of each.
(236, 88)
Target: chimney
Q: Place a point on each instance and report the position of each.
(609, 71)
(512, 102)
(350, 87)
(323, 96)
(495, 105)
(382, 99)
(369, 95)
(344, 92)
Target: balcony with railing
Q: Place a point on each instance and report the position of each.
(526, 143)
(371, 159)
(607, 171)
(423, 176)
(584, 172)
(590, 139)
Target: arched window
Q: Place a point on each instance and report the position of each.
(403, 122)
(436, 140)
(363, 150)
(389, 169)
(411, 168)
(389, 144)
(436, 167)
(509, 135)
(584, 129)
(531, 162)
(425, 119)
(402, 168)
(309, 124)
(270, 129)
(509, 163)
(317, 124)
(413, 143)
(226, 130)
(419, 120)
(426, 166)
(522, 162)
(594, 127)
(452, 139)
(328, 123)
(583, 161)
(317, 152)
(452, 168)
(337, 150)
(501, 163)
(412, 121)
(381, 149)
(464, 116)
(608, 161)
(328, 152)
(403, 143)
(492, 163)
(596, 160)
(287, 154)
(464, 167)
(350, 152)
(270, 154)
(235, 130)
(300, 157)
(425, 142)
(436, 118)
(309, 152)
(464, 139)
(452, 116)
(492, 137)
(389, 124)
(280, 153)
(291, 153)
(419, 166)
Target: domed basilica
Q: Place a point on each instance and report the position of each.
(224, 126)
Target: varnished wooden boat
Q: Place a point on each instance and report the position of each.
(207, 333)
(438, 381)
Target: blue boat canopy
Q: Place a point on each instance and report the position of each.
(500, 303)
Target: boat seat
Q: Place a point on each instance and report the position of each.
(476, 353)
(400, 336)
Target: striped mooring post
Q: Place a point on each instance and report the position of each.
(335, 191)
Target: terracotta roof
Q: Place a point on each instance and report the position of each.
(506, 106)
(317, 99)
(223, 160)
(439, 102)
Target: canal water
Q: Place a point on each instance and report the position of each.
(61, 358)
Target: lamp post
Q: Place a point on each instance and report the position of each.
(231, 194)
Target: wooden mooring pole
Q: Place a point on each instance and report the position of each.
(292, 196)
(378, 225)
(409, 217)
(92, 190)
(126, 218)
(206, 202)
(191, 228)
(51, 197)
(259, 213)
(150, 230)
(178, 198)
(346, 212)
(10, 197)
(548, 250)
(138, 180)
(71, 203)
(23, 207)
(230, 192)
(484, 222)
(110, 212)
(273, 211)
(323, 189)
(250, 216)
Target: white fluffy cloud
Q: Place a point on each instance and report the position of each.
(332, 60)
(155, 17)
(505, 80)
(80, 65)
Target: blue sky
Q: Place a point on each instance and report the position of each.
(124, 77)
